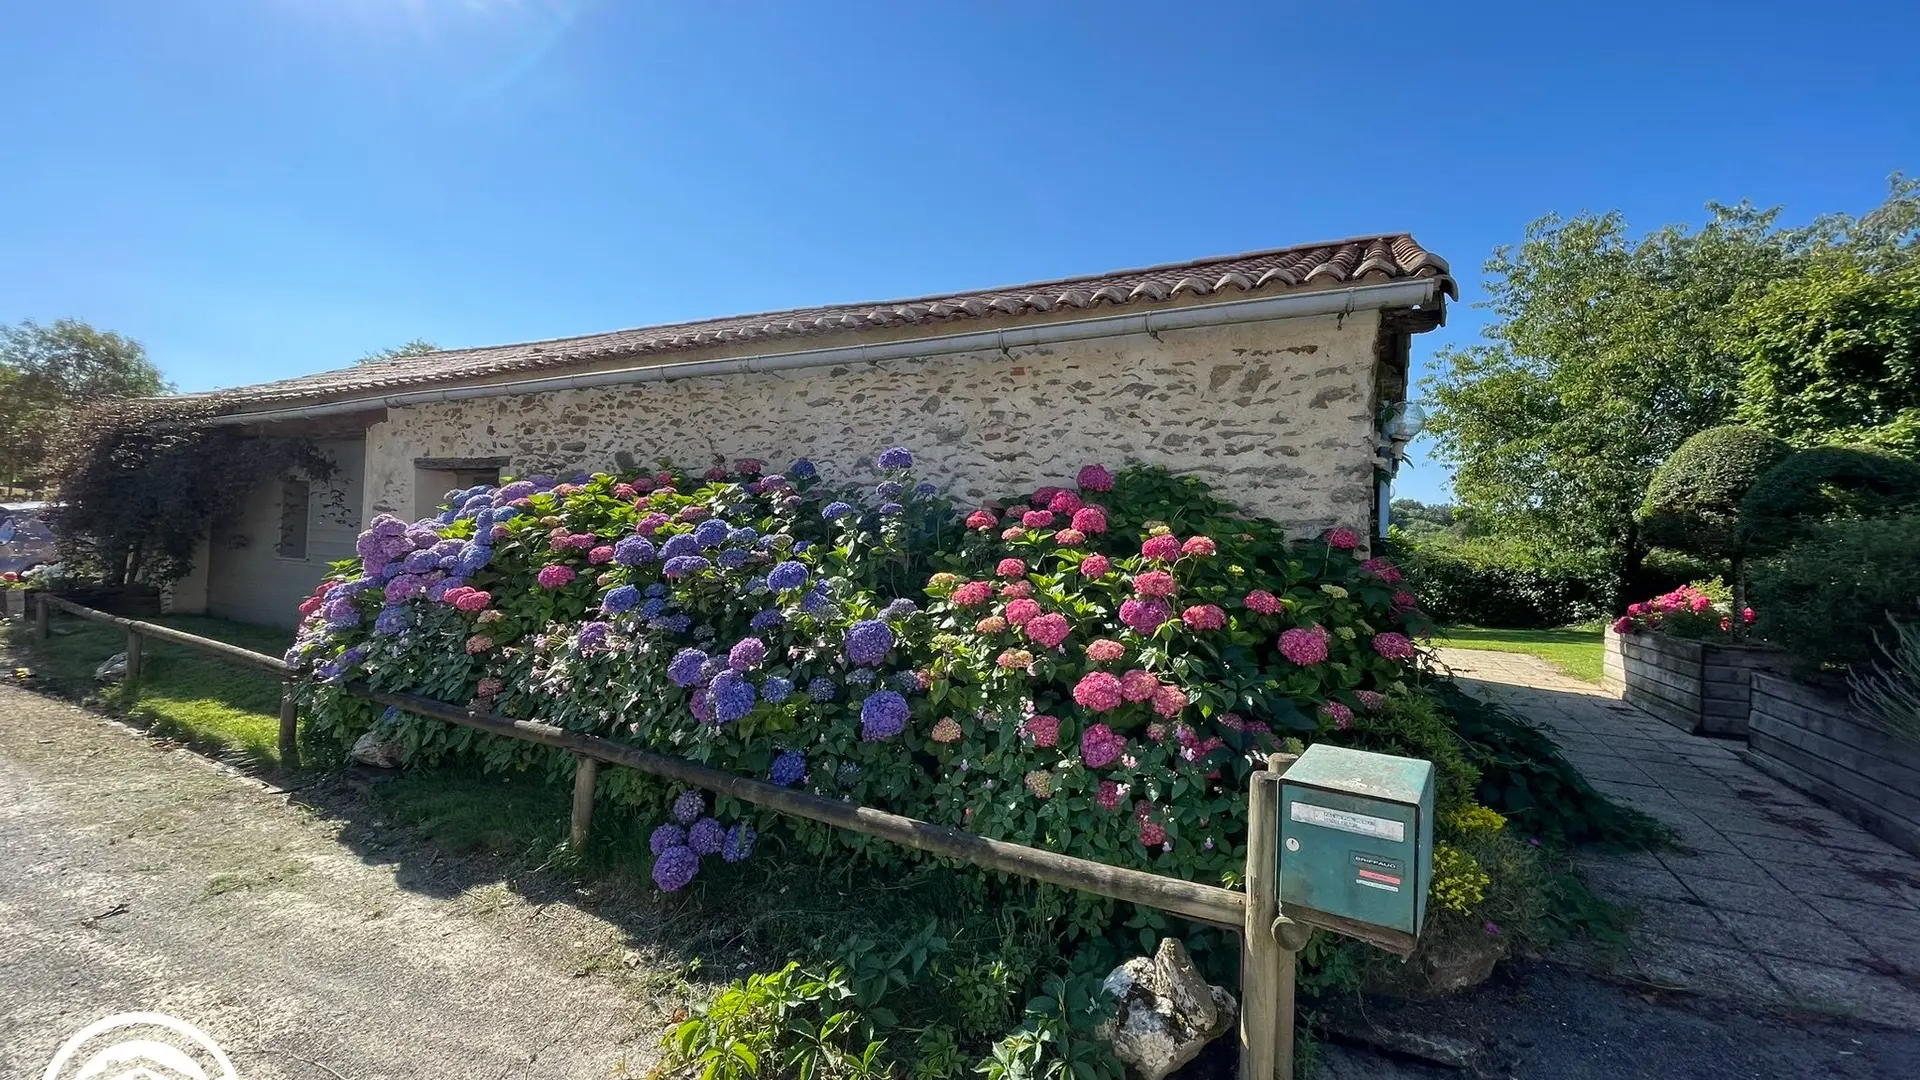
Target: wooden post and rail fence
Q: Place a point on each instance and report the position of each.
(1268, 939)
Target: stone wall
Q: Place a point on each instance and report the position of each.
(1810, 740)
(1278, 416)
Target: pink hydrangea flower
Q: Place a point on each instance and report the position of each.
(1138, 685)
(1204, 617)
(1110, 795)
(973, 594)
(1012, 533)
(1199, 545)
(1262, 602)
(1161, 548)
(1014, 659)
(1382, 567)
(1014, 590)
(992, 624)
(601, 555)
(1090, 520)
(1044, 730)
(1037, 519)
(1405, 601)
(1069, 537)
(1022, 611)
(1304, 645)
(498, 533)
(1154, 584)
(490, 687)
(650, 524)
(1011, 568)
(1101, 746)
(982, 519)
(553, 577)
(1623, 625)
(1152, 833)
(1095, 478)
(1144, 616)
(1393, 646)
(1049, 630)
(1094, 566)
(1371, 700)
(564, 490)
(1342, 539)
(624, 491)
(1099, 691)
(473, 600)
(1064, 502)
(1339, 715)
(1105, 650)
(1169, 700)
(947, 730)
(478, 644)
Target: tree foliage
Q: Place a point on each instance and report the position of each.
(46, 372)
(1824, 484)
(416, 347)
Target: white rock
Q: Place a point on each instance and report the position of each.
(1167, 1013)
(378, 749)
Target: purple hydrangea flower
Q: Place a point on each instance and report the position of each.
(391, 620)
(860, 677)
(679, 544)
(742, 536)
(898, 457)
(882, 716)
(675, 868)
(593, 636)
(776, 689)
(748, 654)
(620, 600)
(925, 490)
(740, 841)
(633, 551)
(421, 561)
(666, 836)
(814, 600)
(684, 668)
(685, 566)
(733, 697)
(823, 688)
(889, 490)
(868, 642)
(803, 468)
(733, 558)
(541, 482)
(892, 509)
(766, 620)
(688, 806)
(836, 510)
(656, 589)
(706, 836)
(514, 492)
(788, 769)
(711, 533)
(899, 609)
(672, 624)
(421, 536)
(337, 608)
(787, 575)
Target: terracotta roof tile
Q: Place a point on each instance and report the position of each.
(1365, 260)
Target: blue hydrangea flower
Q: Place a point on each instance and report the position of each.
(688, 806)
(776, 689)
(801, 545)
(836, 510)
(733, 697)
(802, 468)
(652, 608)
(814, 600)
(860, 677)
(685, 566)
(711, 533)
(882, 716)
(892, 509)
(672, 624)
(823, 688)
(633, 551)
(787, 575)
(421, 561)
(714, 666)
(788, 769)
(620, 600)
(889, 490)
(899, 609)
(593, 636)
(675, 868)
(684, 668)
(679, 544)
(764, 621)
(898, 457)
(504, 514)
(656, 589)
(847, 773)
(733, 558)
(740, 841)
(448, 547)
(541, 482)
(472, 558)
(706, 836)
(868, 642)
(906, 682)
(925, 490)
(391, 620)
(742, 536)
(666, 836)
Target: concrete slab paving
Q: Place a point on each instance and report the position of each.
(1772, 898)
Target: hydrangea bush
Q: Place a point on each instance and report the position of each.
(1703, 609)
(1093, 669)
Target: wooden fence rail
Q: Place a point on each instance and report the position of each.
(1266, 1029)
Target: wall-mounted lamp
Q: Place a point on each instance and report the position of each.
(1400, 423)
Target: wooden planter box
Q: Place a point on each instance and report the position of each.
(1703, 688)
(1809, 739)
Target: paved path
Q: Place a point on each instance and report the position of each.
(133, 878)
(1776, 899)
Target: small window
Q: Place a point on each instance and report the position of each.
(295, 496)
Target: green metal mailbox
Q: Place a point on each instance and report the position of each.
(1356, 844)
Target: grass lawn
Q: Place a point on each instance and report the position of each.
(183, 692)
(1575, 651)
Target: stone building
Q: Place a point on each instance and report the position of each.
(1267, 374)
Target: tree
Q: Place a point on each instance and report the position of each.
(1607, 352)
(1693, 501)
(416, 347)
(48, 371)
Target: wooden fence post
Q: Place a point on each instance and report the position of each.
(133, 662)
(40, 616)
(586, 771)
(289, 726)
(1266, 960)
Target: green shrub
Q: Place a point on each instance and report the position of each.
(1826, 483)
(1888, 695)
(1489, 583)
(1823, 599)
(1693, 501)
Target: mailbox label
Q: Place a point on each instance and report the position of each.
(1348, 821)
(1376, 872)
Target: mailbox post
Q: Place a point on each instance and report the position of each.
(1340, 840)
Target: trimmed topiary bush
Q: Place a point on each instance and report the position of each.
(1693, 501)
(1825, 598)
(1826, 483)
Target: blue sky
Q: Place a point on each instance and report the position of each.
(260, 189)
